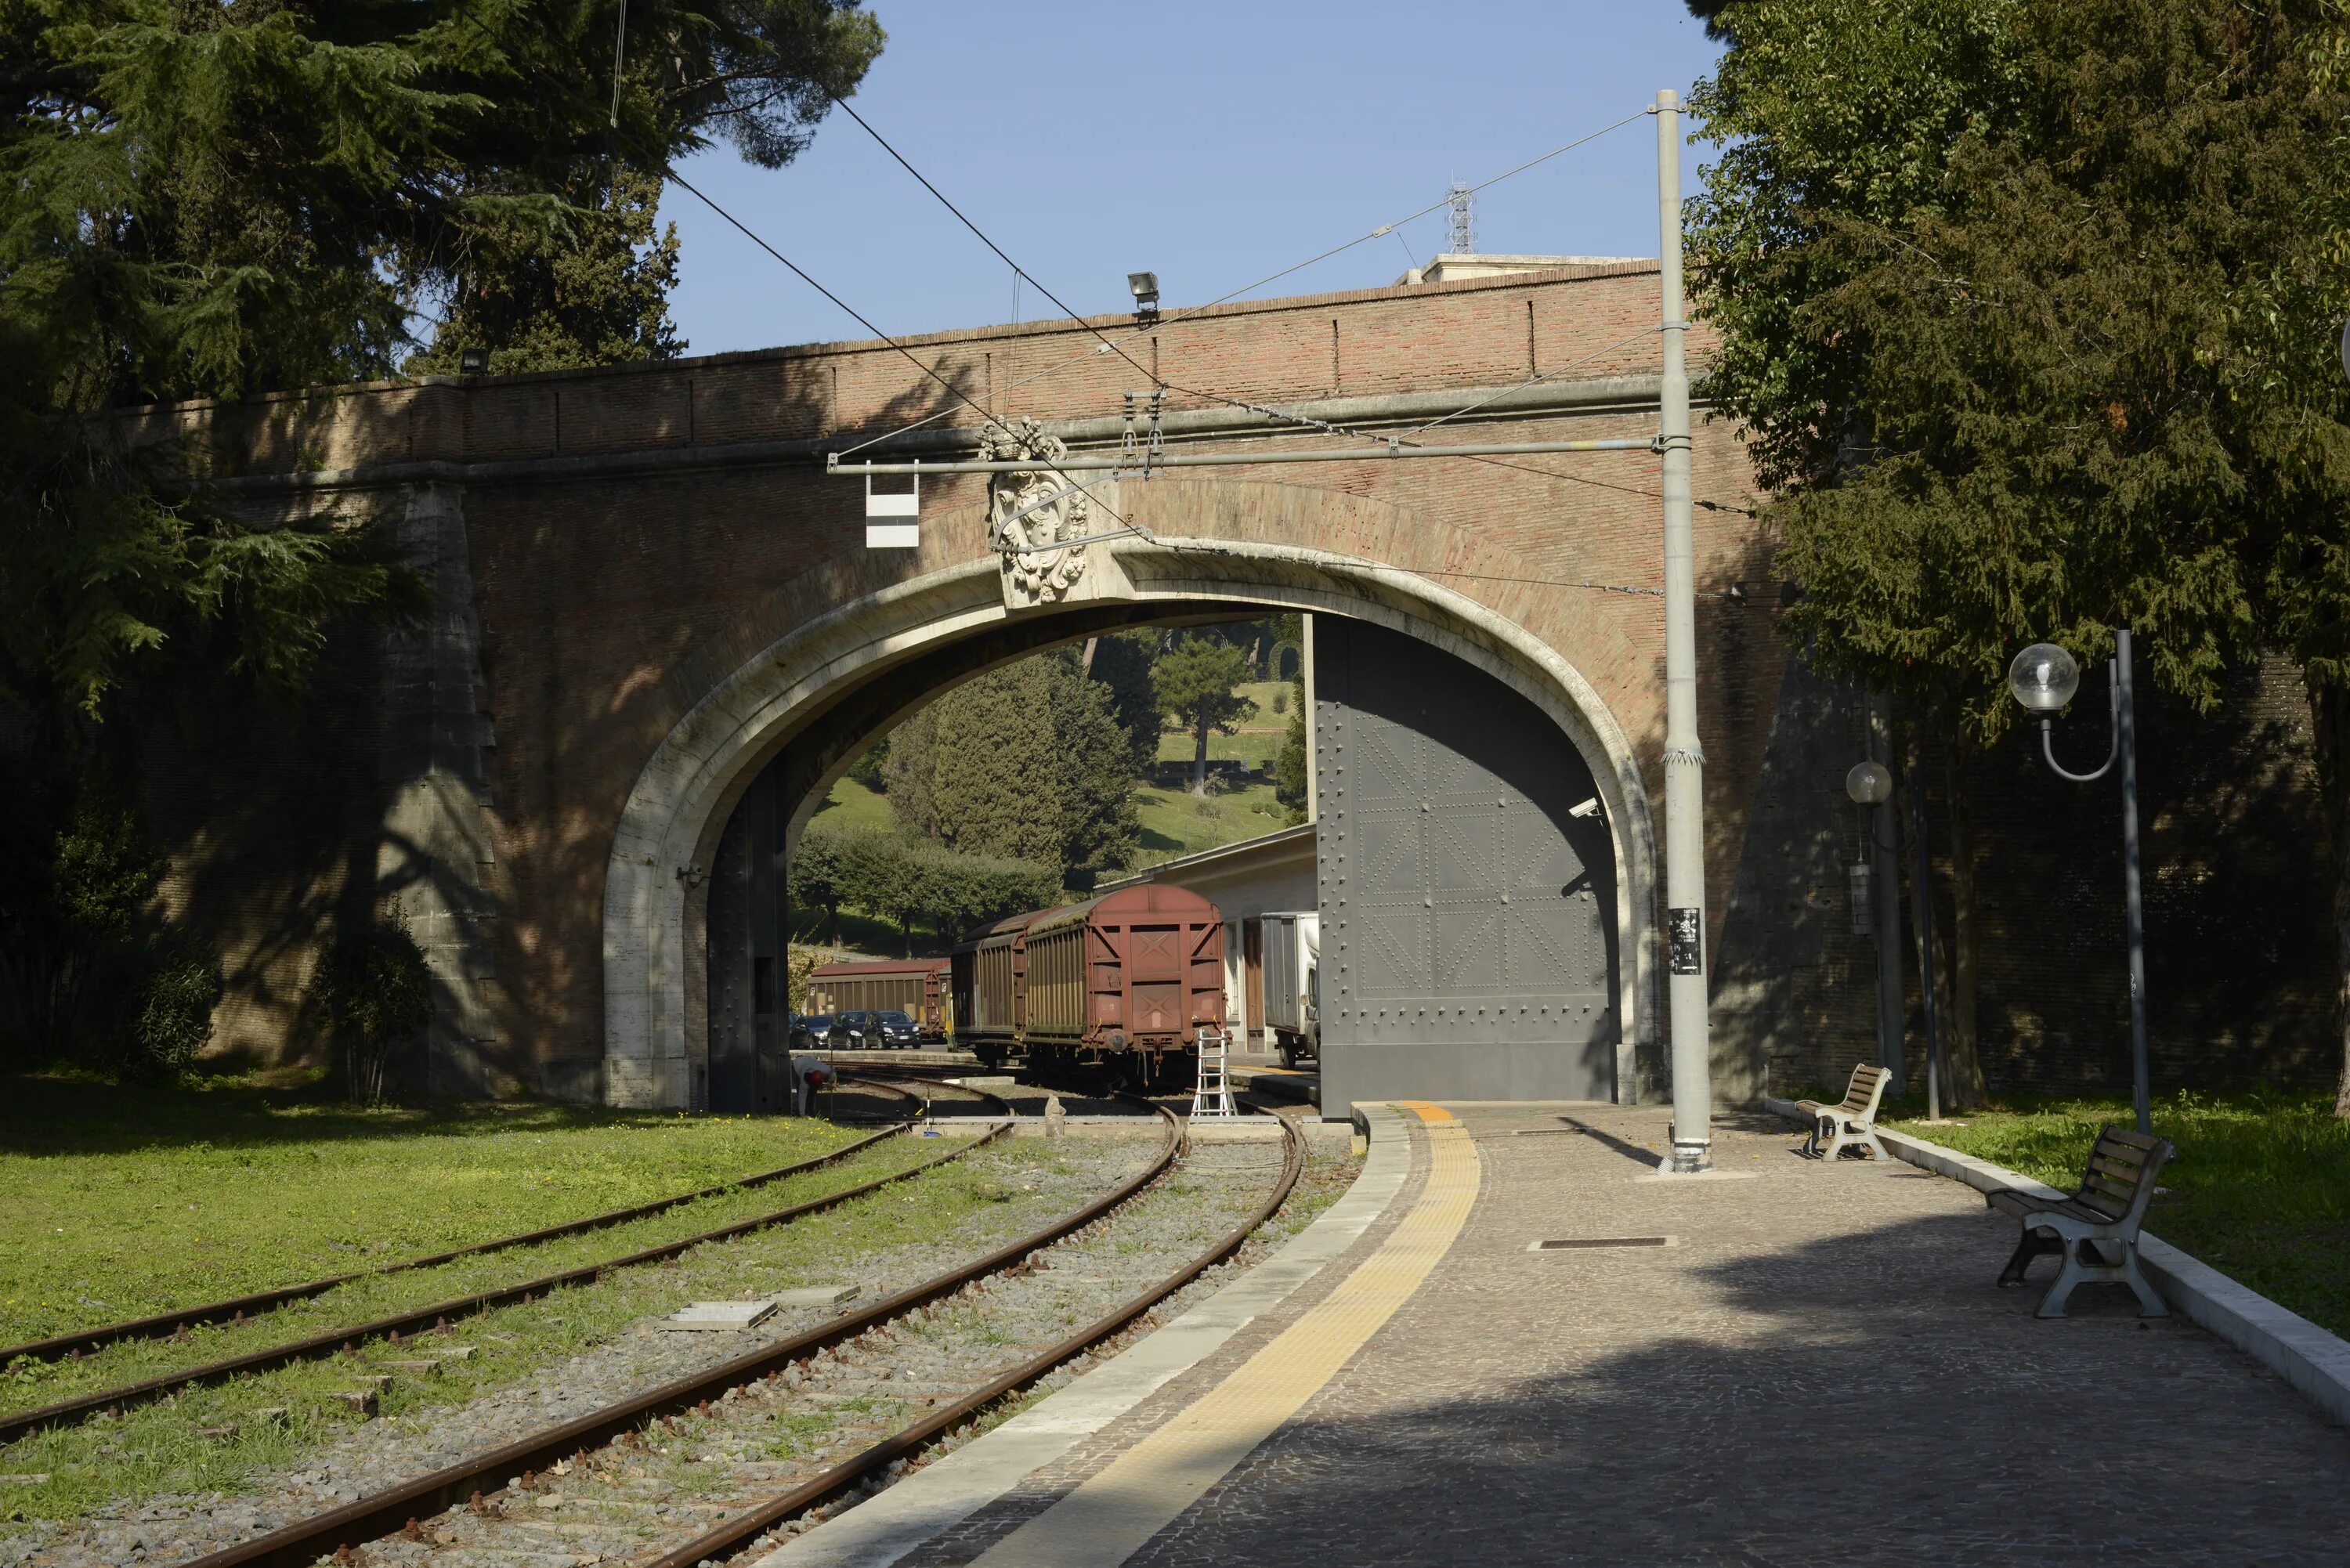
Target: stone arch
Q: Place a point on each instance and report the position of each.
(857, 665)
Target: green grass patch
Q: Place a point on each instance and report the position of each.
(852, 805)
(117, 1202)
(1254, 747)
(2260, 1189)
(220, 1437)
(1176, 823)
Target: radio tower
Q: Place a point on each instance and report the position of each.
(1464, 227)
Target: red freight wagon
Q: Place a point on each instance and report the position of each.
(915, 987)
(1114, 991)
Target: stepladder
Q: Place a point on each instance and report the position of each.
(1212, 1094)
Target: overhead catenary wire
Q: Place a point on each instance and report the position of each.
(855, 315)
(1170, 317)
(668, 169)
(1265, 410)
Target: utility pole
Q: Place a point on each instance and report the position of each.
(1692, 1142)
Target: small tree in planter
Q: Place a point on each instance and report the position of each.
(376, 993)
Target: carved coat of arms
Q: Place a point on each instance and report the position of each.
(1028, 519)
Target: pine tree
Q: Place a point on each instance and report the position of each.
(1193, 683)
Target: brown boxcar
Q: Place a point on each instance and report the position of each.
(915, 987)
(1112, 991)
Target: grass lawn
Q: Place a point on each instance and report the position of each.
(851, 805)
(2260, 1189)
(118, 1202)
(1176, 823)
(219, 1437)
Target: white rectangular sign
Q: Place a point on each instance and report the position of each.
(892, 535)
(907, 505)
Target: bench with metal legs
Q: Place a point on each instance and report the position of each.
(1850, 1123)
(2095, 1230)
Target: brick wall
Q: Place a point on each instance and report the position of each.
(609, 601)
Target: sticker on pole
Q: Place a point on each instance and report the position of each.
(1685, 941)
(890, 536)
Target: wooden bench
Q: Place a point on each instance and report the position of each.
(2094, 1230)
(1852, 1121)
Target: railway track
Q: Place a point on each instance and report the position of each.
(702, 1466)
(439, 1313)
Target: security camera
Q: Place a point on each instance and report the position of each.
(1589, 808)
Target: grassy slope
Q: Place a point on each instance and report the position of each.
(2259, 1190)
(117, 1202)
(1176, 823)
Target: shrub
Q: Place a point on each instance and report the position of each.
(377, 994)
(171, 1020)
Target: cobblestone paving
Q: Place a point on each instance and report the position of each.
(1818, 1372)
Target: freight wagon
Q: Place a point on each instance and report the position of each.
(915, 987)
(1110, 993)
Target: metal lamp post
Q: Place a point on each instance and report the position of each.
(1870, 785)
(2043, 679)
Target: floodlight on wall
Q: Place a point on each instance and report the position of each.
(1144, 287)
(893, 534)
(472, 361)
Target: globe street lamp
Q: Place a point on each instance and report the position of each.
(2043, 679)
(1877, 886)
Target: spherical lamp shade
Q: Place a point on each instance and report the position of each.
(2044, 678)
(1869, 784)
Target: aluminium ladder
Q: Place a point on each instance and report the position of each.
(1212, 1095)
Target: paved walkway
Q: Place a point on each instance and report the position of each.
(1818, 1371)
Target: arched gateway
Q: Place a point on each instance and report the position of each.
(1221, 551)
(652, 594)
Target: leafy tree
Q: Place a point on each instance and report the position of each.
(894, 878)
(2000, 290)
(905, 774)
(819, 877)
(158, 245)
(211, 200)
(1193, 685)
(1025, 762)
(1121, 664)
(593, 289)
(76, 866)
(376, 995)
(1289, 762)
(880, 877)
(871, 769)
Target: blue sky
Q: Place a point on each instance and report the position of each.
(1210, 143)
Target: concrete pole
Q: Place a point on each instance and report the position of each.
(1885, 867)
(1692, 1147)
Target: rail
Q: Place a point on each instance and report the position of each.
(387, 1512)
(71, 1412)
(163, 1325)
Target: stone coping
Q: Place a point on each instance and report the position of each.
(2316, 1363)
(939, 1496)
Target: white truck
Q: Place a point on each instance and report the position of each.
(1293, 956)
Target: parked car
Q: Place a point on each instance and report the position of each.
(852, 1031)
(892, 1029)
(812, 1031)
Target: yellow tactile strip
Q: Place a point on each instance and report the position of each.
(1113, 1514)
